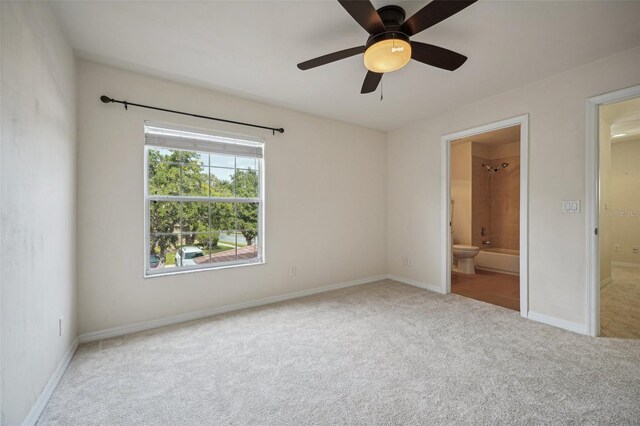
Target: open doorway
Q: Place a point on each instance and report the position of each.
(485, 217)
(619, 218)
(485, 208)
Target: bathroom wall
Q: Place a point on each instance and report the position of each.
(625, 201)
(604, 225)
(480, 202)
(496, 197)
(461, 192)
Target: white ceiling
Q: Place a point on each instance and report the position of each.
(251, 48)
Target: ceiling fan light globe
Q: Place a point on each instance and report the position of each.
(387, 55)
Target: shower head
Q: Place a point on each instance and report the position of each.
(489, 168)
(493, 170)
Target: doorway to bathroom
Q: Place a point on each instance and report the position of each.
(613, 214)
(484, 210)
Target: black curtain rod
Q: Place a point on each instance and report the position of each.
(126, 104)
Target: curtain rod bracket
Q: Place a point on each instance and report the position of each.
(106, 99)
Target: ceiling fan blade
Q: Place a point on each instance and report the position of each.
(431, 14)
(365, 14)
(331, 57)
(371, 81)
(436, 56)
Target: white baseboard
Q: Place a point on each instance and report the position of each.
(606, 281)
(416, 283)
(148, 325)
(557, 322)
(626, 264)
(43, 399)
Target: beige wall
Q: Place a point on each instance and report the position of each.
(604, 225)
(325, 202)
(38, 205)
(557, 246)
(461, 192)
(496, 197)
(625, 200)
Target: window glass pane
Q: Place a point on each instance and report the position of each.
(221, 182)
(203, 159)
(223, 161)
(225, 249)
(247, 219)
(219, 251)
(223, 216)
(194, 180)
(246, 163)
(246, 183)
(160, 154)
(186, 157)
(228, 238)
(164, 217)
(163, 177)
(155, 261)
(192, 250)
(162, 250)
(195, 217)
(250, 250)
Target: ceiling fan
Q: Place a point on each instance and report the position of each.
(389, 47)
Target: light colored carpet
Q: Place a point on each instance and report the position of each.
(383, 353)
(620, 304)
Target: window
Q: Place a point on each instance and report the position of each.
(203, 200)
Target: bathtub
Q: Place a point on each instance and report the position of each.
(505, 261)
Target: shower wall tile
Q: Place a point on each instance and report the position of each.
(480, 202)
(496, 201)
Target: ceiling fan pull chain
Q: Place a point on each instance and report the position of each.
(381, 91)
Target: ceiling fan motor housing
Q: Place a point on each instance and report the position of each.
(387, 35)
(391, 16)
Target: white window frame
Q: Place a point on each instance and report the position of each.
(220, 136)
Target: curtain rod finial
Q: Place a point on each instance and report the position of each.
(105, 99)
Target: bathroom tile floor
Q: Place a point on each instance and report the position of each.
(491, 287)
(620, 304)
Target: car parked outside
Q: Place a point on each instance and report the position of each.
(186, 255)
(154, 261)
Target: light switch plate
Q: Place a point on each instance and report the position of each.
(571, 206)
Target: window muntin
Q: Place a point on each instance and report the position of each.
(203, 208)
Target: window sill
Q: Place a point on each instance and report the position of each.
(189, 271)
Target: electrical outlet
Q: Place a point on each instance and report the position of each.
(409, 261)
(292, 271)
(616, 247)
(60, 326)
(634, 249)
(405, 260)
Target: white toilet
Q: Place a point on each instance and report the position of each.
(464, 255)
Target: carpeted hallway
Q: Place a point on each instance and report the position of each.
(383, 353)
